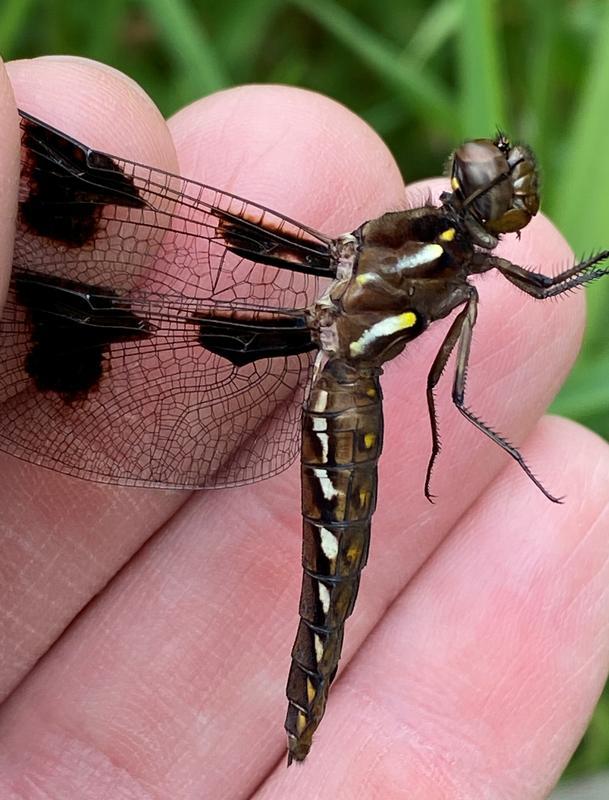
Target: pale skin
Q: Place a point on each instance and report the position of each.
(479, 642)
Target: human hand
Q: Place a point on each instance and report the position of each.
(477, 648)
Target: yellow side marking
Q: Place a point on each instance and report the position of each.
(363, 496)
(386, 327)
(364, 278)
(310, 691)
(448, 235)
(353, 553)
(369, 440)
(371, 392)
(301, 722)
(454, 184)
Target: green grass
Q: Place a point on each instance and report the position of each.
(424, 75)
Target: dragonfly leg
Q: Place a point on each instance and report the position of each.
(458, 396)
(435, 373)
(543, 286)
(461, 332)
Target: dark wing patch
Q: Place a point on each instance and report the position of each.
(68, 185)
(254, 337)
(72, 328)
(274, 247)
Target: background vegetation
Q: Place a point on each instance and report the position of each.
(424, 74)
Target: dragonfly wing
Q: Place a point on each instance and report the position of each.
(135, 346)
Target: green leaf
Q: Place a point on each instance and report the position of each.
(481, 97)
(200, 66)
(416, 86)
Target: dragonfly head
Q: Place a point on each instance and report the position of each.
(495, 188)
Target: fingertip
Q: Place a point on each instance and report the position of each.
(290, 149)
(96, 104)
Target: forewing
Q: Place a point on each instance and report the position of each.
(103, 369)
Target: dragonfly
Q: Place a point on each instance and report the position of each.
(163, 333)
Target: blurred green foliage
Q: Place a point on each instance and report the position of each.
(425, 75)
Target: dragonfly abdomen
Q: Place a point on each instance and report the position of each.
(341, 444)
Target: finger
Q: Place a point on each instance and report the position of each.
(64, 538)
(297, 152)
(407, 535)
(486, 668)
(226, 645)
(161, 643)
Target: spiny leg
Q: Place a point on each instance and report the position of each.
(543, 286)
(435, 373)
(459, 398)
(461, 330)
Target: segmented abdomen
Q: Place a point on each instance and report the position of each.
(341, 444)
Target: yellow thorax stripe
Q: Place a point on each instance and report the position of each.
(386, 327)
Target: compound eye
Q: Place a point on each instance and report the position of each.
(477, 169)
(525, 179)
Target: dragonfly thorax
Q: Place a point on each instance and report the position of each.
(369, 316)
